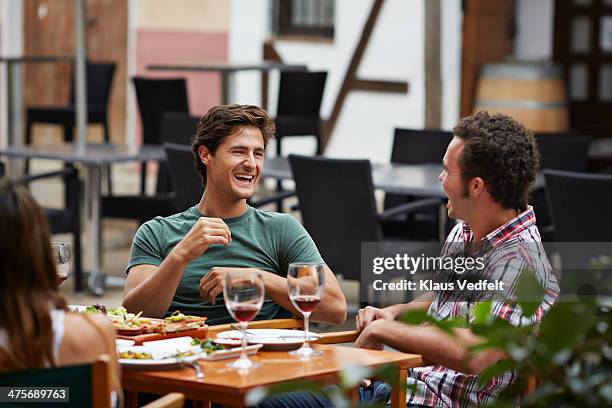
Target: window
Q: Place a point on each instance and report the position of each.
(313, 18)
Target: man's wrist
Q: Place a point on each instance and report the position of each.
(178, 257)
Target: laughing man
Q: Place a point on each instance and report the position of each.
(179, 262)
(488, 170)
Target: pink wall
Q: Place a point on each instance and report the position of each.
(159, 46)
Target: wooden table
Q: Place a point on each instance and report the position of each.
(228, 387)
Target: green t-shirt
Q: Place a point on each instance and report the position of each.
(264, 240)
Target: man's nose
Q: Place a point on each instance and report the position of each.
(250, 161)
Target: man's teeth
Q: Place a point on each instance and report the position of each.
(244, 177)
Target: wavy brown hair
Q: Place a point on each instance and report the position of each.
(503, 153)
(225, 120)
(28, 288)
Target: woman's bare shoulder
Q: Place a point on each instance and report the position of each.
(85, 337)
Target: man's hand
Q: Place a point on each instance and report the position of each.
(369, 314)
(368, 337)
(205, 232)
(211, 284)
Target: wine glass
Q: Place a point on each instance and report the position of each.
(243, 292)
(62, 257)
(305, 284)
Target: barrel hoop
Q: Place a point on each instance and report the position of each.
(520, 104)
(502, 71)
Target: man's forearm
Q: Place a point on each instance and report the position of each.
(430, 342)
(154, 293)
(421, 302)
(332, 308)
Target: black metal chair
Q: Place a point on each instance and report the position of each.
(580, 205)
(99, 81)
(184, 178)
(174, 128)
(339, 211)
(412, 146)
(99, 84)
(66, 219)
(580, 209)
(156, 96)
(558, 151)
(299, 102)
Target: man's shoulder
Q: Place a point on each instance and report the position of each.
(171, 221)
(271, 217)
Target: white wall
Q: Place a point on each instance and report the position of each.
(535, 25)
(395, 52)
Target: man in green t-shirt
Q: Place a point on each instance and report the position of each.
(179, 262)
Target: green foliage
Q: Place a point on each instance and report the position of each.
(568, 353)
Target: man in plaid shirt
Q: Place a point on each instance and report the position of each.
(489, 168)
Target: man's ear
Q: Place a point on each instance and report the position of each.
(204, 154)
(477, 186)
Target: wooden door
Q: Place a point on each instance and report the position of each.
(583, 47)
(488, 36)
(49, 30)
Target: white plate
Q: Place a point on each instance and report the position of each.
(272, 339)
(160, 358)
(124, 343)
(161, 350)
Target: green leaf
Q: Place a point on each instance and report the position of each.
(565, 324)
(494, 370)
(482, 312)
(529, 291)
(415, 317)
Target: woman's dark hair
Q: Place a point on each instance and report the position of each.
(503, 153)
(28, 286)
(223, 121)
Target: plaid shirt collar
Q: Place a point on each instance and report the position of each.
(510, 229)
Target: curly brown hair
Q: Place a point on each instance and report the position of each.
(503, 153)
(225, 120)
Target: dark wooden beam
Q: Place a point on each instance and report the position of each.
(350, 76)
(433, 76)
(380, 86)
(269, 54)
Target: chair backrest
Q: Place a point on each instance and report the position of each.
(580, 205)
(560, 151)
(99, 83)
(89, 384)
(156, 96)
(300, 94)
(411, 146)
(338, 208)
(184, 178)
(178, 128)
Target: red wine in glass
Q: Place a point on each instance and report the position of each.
(244, 312)
(307, 303)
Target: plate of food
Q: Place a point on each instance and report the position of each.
(170, 353)
(271, 339)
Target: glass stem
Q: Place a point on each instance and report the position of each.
(243, 327)
(306, 319)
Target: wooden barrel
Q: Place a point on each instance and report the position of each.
(533, 94)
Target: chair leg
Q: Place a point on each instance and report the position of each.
(68, 132)
(108, 170)
(28, 142)
(143, 177)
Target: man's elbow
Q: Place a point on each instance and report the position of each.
(339, 312)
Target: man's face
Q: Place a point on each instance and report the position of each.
(453, 184)
(235, 168)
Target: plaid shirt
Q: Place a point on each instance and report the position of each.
(508, 250)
